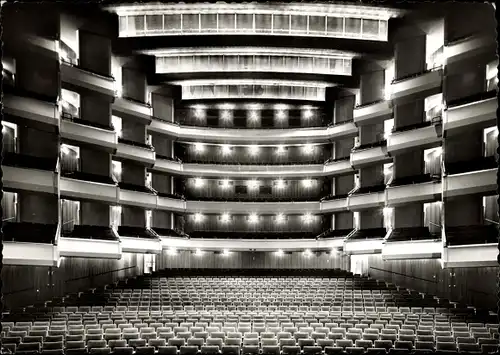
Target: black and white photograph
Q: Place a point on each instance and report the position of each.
(249, 178)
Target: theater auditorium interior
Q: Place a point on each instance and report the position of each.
(249, 178)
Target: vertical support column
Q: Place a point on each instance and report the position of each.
(163, 107)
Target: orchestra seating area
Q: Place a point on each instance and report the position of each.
(241, 314)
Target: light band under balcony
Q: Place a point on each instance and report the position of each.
(243, 82)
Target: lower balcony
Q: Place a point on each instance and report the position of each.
(31, 244)
(371, 113)
(335, 204)
(476, 112)
(248, 207)
(76, 78)
(29, 173)
(419, 138)
(411, 243)
(139, 153)
(470, 246)
(365, 241)
(373, 154)
(338, 167)
(482, 180)
(418, 189)
(83, 186)
(139, 240)
(246, 244)
(135, 195)
(86, 134)
(27, 111)
(417, 86)
(91, 242)
(366, 198)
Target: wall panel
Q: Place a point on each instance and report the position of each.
(252, 260)
(460, 284)
(73, 275)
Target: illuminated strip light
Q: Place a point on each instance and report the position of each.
(243, 82)
(477, 255)
(417, 249)
(299, 52)
(261, 93)
(246, 244)
(337, 10)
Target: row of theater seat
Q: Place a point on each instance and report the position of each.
(110, 327)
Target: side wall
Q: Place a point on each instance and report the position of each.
(26, 285)
(252, 260)
(472, 286)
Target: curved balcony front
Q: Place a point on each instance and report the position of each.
(76, 78)
(375, 112)
(417, 86)
(253, 136)
(252, 59)
(291, 19)
(248, 207)
(469, 48)
(475, 113)
(249, 244)
(132, 110)
(28, 179)
(255, 171)
(401, 142)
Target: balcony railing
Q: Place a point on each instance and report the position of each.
(411, 234)
(334, 233)
(472, 234)
(135, 144)
(415, 179)
(369, 189)
(137, 232)
(369, 233)
(369, 103)
(414, 126)
(472, 98)
(461, 167)
(254, 199)
(29, 162)
(380, 143)
(167, 232)
(79, 175)
(415, 75)
(136, 188)
(169, 195)
(91, 232)
(76, 119)
(334, 197)
(252, 235)
(27, 232)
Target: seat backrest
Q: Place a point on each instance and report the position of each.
(447, 346)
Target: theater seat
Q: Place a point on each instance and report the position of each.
(270, 350)
(167, 350)
(119, 350)
(210, 350)
(145, 350)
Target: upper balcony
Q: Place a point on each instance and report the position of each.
(258, 89)
(365, 241)
(469, 47)
(30, 244)
(367, 197)
(77, 79)
(421, 188)
(470, 246)
(252, 59)
(246, 136)
(88, 133)
(470, 177)
(246, 207)
(473, 112)
(370, 154)
(136, 195)
(373, 112)
(89, 187)
(417, 86)
(139, 240)
(411, 243)
(28, 111)
(170, 203)
(133, 110)
(30, 173)
(294, 19)
(91, 242)
(247, 244)
(143, 154)
(423, 135)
